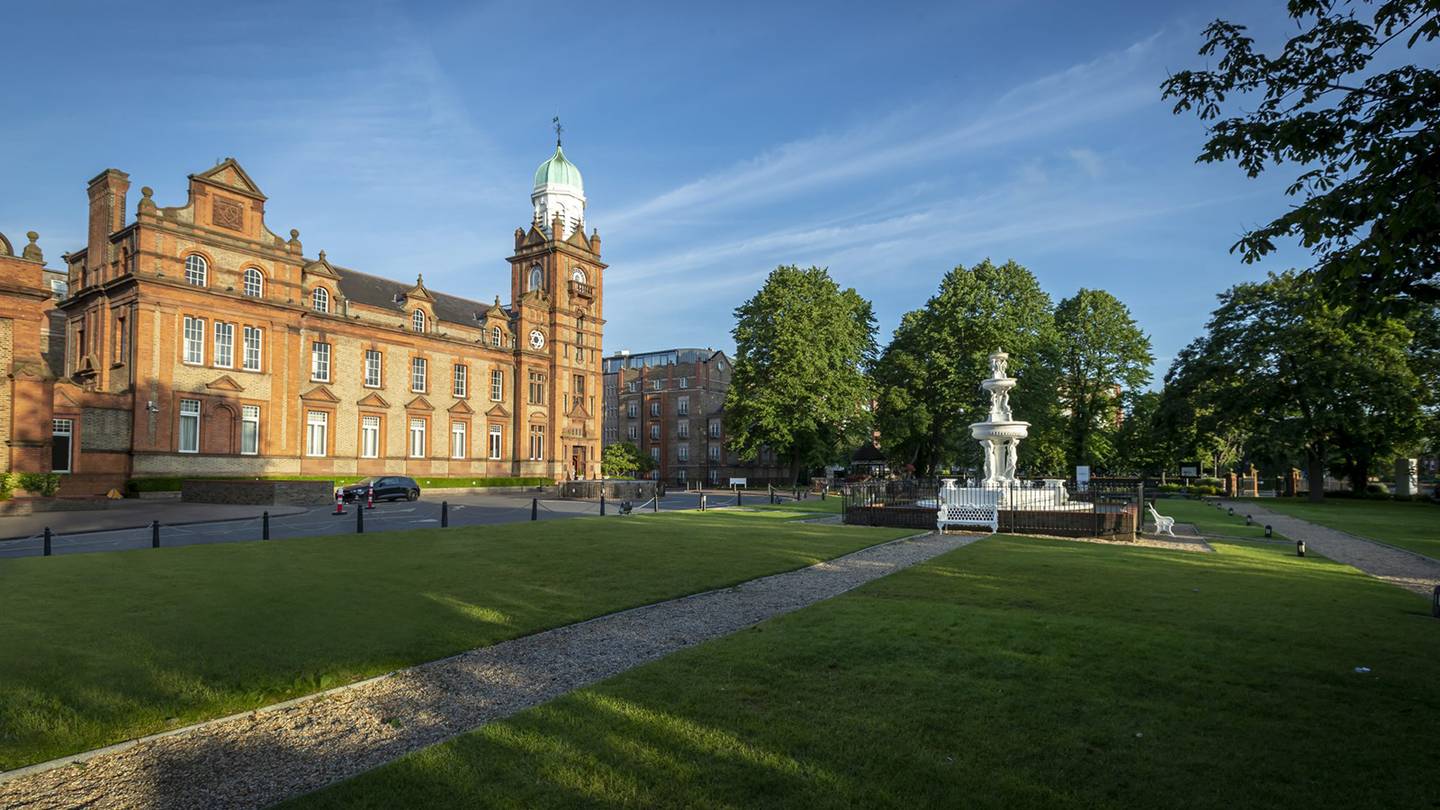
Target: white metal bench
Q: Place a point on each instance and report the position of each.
(1163, 524)
(968, 506)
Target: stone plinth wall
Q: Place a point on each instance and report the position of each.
(259, 493)
(614, 490)
(1118, 524)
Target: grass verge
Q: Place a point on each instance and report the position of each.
(1211, 521)
(99, 648)
(1012, 673)
(1408, 524)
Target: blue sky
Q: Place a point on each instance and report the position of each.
(888, 142)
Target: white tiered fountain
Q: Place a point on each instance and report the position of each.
(999, 435)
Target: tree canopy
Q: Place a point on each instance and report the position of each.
(1364, 141)
(928, 378)
(624, 459)
(801, 386)
(1100, 355)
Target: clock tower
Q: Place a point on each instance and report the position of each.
(556, 283)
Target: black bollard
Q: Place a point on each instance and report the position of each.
(265, 526)
(1435, 603)
(360, 520)
(534, 508)
(1268, 531)
(702, 502)
(823, 492)
(770, 490)
(47, 541)
(154, 534)
(602, 503)
(444, 514)
(655, 503)
(738, 495)
(1299, 548)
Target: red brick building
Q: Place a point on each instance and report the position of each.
(196, 341)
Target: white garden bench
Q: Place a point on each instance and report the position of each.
(1163, 523)
(968, 506)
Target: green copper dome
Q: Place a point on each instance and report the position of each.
(558, 170)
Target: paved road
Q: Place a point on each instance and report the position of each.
(464, 510)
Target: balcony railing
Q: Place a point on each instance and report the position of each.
(581, 289)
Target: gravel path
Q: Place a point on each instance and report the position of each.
(263, 757)
(1407, 569)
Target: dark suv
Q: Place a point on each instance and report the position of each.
(387, 488)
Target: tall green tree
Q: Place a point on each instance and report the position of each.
(1364, 141)
(624, 459)
(928, 378)
(1100, 354)
(801, 385)
(1304, 377)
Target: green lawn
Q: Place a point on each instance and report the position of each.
(1211, 521)
(812, 507)
(98, 648)
(1011, 673)
(1407, 524)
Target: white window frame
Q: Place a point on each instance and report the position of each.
(417, 438)
(250, 428)
(372, 380)
(682, 452)
(682, 406)
(224, 356)
(714, 452)
(682, 428)
(632, 410)
(317, 434)
(417, 321)
(319, 361)
(369, 436)
(655, 431)
(418, 374)
(496, 336)
(537, 442)
(684, 382)
(66, 428)
(462, 380)
(197, 270)
(252, 348)
(254, 284)
(189, 414)
(193, 335)
(497, 442)
(537, 278)
(497, 385)
(458, 437)
(633, 432)
(320, 300)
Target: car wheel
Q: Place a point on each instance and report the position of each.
(414, 495)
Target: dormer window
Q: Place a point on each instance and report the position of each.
(196, 270)
(537, 277)
(320, 300)
(417, 321)
(254, 282)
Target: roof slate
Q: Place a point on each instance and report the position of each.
(374, 291)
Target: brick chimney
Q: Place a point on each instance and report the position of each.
(107, 215)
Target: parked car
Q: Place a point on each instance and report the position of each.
(387, 488)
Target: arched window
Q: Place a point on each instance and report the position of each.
(495, 336)
(320, 299)
(417, 320)
(254, 283)
(196, 269)
(537, 277)
(578, 274)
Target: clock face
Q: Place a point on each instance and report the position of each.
(537, 340)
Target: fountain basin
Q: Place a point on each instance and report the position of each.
(999, 430)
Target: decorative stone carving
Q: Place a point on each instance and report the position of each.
(227, 214)
(147, 203)
(32, 251)
(999, 435)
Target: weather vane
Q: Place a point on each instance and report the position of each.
(558, 129)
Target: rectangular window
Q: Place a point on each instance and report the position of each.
(497, 385)
(714, 452)
(317, 433)
(189, 425)
(683, 452)
(655, 453)
(631, 409)
(320, 362)
(224, 345)
(714, 428)
(120, 341)
(457, 440)
(417, 374)
(372, 368)
(684, 382)
(369, 437)
(579, 386)
(62, 431)
(682, 406)
(462, 379)
(417, 438)
(655, 408)
(537, 442)
(656, 385)
(252, 348)
(682, 429)
(249, 430)
(654, 432)
(633, 385)
(497, 441)
(680, 475)
(633, 432)
(194, 340)
(537, 388)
